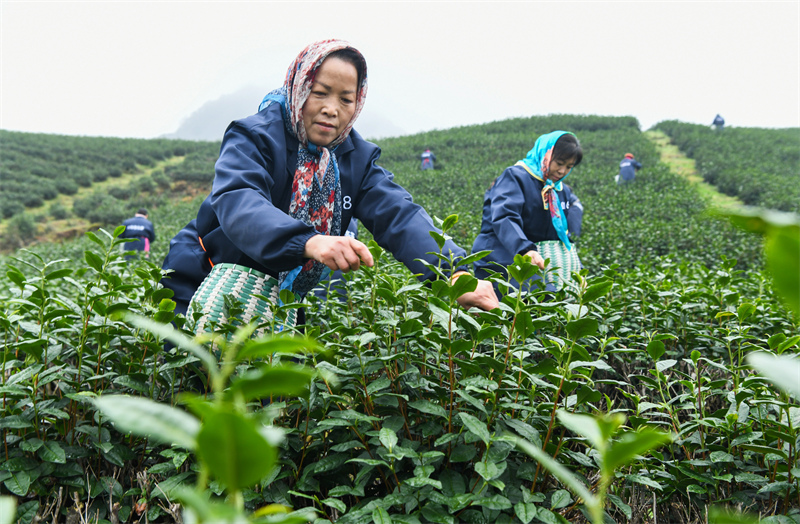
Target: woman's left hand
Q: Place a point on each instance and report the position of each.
(483, 297)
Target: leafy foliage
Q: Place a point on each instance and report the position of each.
(417, 411)
(760, 166)
(661, 214)
(36, 167)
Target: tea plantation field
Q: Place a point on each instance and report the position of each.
(632, 399)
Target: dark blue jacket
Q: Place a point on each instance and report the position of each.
(575, 215)
(514, 219)
(245, 219)
(428, 159)
(138, 228)
(627, 170)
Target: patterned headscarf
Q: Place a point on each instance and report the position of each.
(316, 188)
(537, 163)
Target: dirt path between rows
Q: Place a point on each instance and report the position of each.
(685, 167)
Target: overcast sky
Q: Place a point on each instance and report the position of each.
(138, 69)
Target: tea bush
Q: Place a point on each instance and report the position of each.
(760, 166)
(31, 161)
(414, 414)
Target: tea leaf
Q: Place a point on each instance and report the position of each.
(19, 483)
(388, 438)
(525, 511)
(596, 291)
(147, 418)
(475, 426)
(655, 349)
(8, 509)
(426, 406)
(52, 452)
(234, 449)
(783, 371)
(266, 347)
(560, 499)
(583, 327)
(283, 379)
(631, 444)
(558, 471)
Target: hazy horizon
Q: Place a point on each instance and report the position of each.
(140, 70)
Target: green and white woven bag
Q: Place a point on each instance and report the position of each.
(242, 284)
(563, 263)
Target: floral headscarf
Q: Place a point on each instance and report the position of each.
(537, 163)
(316, 188)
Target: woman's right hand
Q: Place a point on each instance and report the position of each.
(338, 253)
(536, 258)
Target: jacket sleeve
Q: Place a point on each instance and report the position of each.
(574, 214)
(396, 222)
(250, 165)
(151, 232)
(508, 209)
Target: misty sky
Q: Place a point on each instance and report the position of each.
(138, 69)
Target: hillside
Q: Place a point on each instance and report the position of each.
(759, 166)
(57, 187)
(630, 399)
(106, 180)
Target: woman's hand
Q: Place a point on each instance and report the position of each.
(342, 253)
(536, 258)
(483, 297)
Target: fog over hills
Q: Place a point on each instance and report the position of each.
(211, 119)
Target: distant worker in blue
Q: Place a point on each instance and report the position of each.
(527, 209)
(288, 181)
(718, 123)
(140, 229)
(627, 170)
(428, 158)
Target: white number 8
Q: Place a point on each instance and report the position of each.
(347, 202)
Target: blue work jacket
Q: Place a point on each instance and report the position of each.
(627, 169)
(245, 220)
(514, 219)
(138, 228)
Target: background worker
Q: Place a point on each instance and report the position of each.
(140, 229)
(627, 170)
(428, 158)
(526, 210)
(718, 123)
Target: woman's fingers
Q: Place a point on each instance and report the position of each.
(483, 297)
(362, 251)
(338, 253)
(536, 258)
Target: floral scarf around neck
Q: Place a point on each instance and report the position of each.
(316, 187)
(537, 163)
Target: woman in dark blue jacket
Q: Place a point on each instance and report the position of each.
(290, 178)
(527, 205)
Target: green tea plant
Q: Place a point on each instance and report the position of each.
(757, 165)
(611, 455)
(416, 413)
(232, 443)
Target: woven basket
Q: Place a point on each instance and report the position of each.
(241, 284)
(563, 263)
